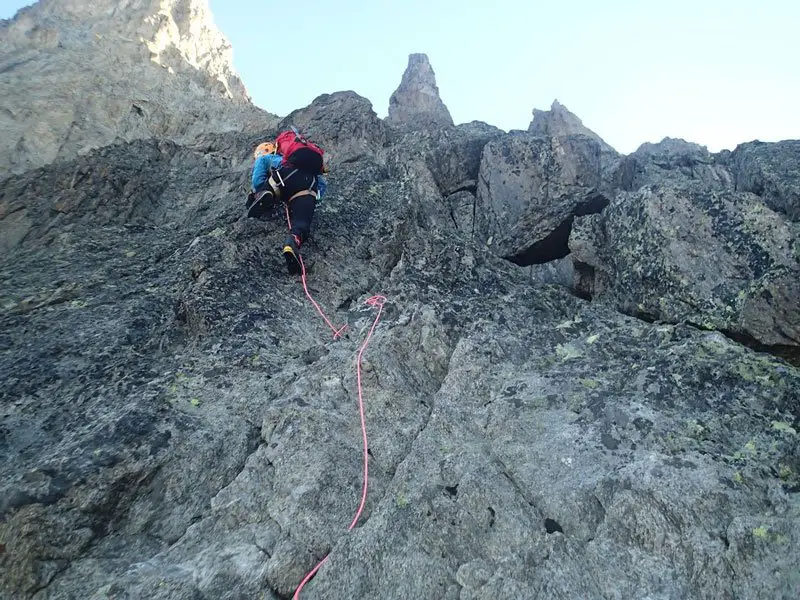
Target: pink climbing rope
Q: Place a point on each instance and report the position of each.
(336, 332)
(374, 301)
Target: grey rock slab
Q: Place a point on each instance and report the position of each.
(719, 259)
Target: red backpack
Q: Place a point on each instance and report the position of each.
(299, 153)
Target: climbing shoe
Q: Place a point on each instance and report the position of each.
(259, 204)
(291, 252)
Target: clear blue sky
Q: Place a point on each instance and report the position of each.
(711, 71)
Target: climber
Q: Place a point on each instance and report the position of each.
(289, 170)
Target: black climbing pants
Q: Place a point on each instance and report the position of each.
(301, 213)
(301, 209)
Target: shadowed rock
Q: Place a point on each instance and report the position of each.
(530, 188)
(771, 171)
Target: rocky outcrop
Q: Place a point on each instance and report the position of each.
(344, 122)
(453, 154)
(681, 244)
(81, 74)
(672, 160)
(560, 122)
(416, 104)
(531, 188)
(714, 258)
(533, 184)
(771, 171)
(179, 423)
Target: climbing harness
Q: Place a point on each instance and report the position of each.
(277, 182)
(378, 302)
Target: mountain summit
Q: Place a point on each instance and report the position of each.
(416, 102)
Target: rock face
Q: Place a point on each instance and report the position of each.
(177, 421)
(674, 161)
(718, 259)
(80, 74)
(344, 122)
(682, 244)
(532, 185)
(416, 103)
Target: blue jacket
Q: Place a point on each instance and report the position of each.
(266, 161)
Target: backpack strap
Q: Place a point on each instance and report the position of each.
(276, 181)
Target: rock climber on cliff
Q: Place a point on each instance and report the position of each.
(289, 170)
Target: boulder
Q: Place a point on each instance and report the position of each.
(771, 171)
(672, 161)
(343, 123)
(530, 188)
(691, 253)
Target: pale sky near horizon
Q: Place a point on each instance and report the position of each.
(710, 71)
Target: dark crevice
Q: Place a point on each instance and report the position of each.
(63, 565)
(556, 244)
(453, 218)
(14, 65)
(552, 526)
(552, 247)
(519, 489)
(584, 280)
(467, 186)
(790, 354)
(474, 211)
(592, 206)
(643, 316)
